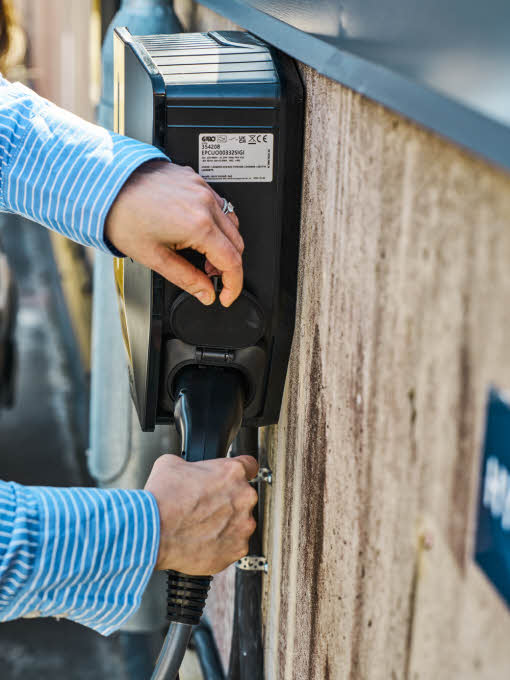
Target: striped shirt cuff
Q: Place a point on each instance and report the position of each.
(19, 540)
(95, 552)
(59, 170)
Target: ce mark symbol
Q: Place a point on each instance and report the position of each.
(258, 139)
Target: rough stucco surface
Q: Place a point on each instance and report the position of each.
(403, 323)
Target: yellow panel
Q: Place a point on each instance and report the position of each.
(118, 270)
(75, 281)
(95, 52)
(118, 126)
(118, 84)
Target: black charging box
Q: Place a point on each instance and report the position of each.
(231, 107)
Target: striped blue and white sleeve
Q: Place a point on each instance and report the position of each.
(83, 554)
(59, 170)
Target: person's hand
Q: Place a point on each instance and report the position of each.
(164, 208)
(205, 512)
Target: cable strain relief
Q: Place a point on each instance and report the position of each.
(186, 596)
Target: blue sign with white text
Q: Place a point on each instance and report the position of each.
(492, 549)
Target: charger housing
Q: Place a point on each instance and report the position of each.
(231, 107)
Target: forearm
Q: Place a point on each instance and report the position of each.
(59, 170)
(83, 554)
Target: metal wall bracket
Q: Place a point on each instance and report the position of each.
(263, 475)
(253, 563)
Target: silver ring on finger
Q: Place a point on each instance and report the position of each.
(227, 207)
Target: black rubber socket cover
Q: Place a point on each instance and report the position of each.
(240, 325)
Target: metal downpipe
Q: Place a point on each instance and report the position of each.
(246, 653)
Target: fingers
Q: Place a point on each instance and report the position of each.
(229, 225)
(164, 208)
(250, 465)
(219, 240)
(210, 270)
(219, 199)
(247, 502)
(231, 218)
(232, 286)
(183, 274)
(222, 258)
(223, 255)
(228, 222)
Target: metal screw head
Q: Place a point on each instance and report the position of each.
(264, 475)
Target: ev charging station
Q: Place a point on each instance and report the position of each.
(230, 106)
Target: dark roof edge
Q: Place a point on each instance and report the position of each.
(446, 116)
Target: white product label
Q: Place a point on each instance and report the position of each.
(243, 157)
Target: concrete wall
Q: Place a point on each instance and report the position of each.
(403, 323)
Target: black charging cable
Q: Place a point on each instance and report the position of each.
(208, 415)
